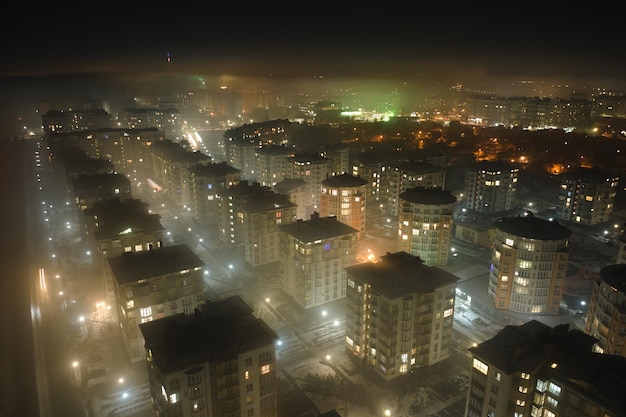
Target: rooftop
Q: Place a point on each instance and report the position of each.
(398, 274)
(218, 331)
(532, 227)
(134, 266)
(317, 228)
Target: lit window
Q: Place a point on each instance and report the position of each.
(554, 389)
(246, 375)
(265, 369)
(480, 366)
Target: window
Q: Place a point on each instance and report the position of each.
(480, 366)
(265, 369)
(554, 389)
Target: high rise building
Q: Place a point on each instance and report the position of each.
(399, 314)
(313, 169)
(219, 361)
(606, 319)
(153, 284)
(528, 265)
(536, 370)
(344, 196)
(207, 181)
(587, 196)
(425, 224)
(249, 214)
(314, 255)
(490, 187)
(114, 227)
(400, 176)
(171, 163)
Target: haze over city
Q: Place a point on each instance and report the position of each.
(96, 52)
(397, 59)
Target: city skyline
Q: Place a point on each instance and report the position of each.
(90, 53)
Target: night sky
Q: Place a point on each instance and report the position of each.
(54, 48)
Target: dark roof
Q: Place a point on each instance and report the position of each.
(344, 180)
(275, 150)
(531, 227)
(115, 207)
(213, 169)
(134, 266)
(256, 198)
(399, 274)
(91, 181)
(139, 223)
(535, 346)
(418, 167)
(615, 276)
(218, 331)
(317, 228)
(590, 175)
(491, 166)
(288, 184)
(432, 196)
(309, 157)
(268, 201)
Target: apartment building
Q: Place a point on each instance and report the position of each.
(171, 162)
(114, 227)
(207, 181)
(408, 174)
(153, 284)
(369, 167)
(313, 169)
(606, 318)
(490, 187)
(272, 164)
(90, 189)
(314, 255)
(399, 314)
(425, 224)
(536, 370)
(295, 189)
(587, 195)
(249, 215)
(528, 265)
(344, 196)
(218, 361)
(167, 119)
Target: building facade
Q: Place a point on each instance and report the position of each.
(345, 197)
(219, 361)
(606, 319)
(114, 227)
(398, 177)
(587, 196)
(425, 224)
(153, 284)
(536, 370)
(207, 181)
(399, 314)
(528, 265)
(490, 187)
(314, 255)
